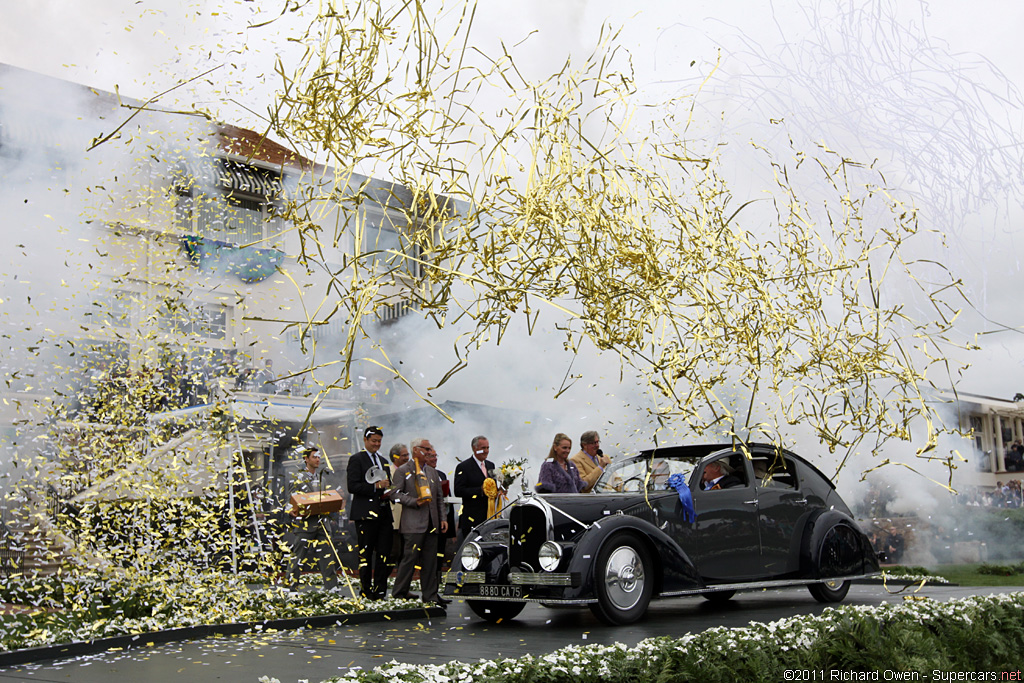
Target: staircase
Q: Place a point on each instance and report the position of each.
(29, 550)
(30, 544)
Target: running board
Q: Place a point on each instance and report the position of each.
(758, 585)
(716, 588)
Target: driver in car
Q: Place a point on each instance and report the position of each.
(716, 477)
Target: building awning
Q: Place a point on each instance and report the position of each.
(227, 176)
(249, 264)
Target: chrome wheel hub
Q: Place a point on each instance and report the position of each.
(624, 578)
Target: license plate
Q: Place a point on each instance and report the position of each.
(501, 591)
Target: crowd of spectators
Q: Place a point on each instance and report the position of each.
(889, 543)
(1013, 458)
(1005, 495)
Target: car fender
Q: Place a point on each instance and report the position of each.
(857, 555)
(481, 532)
(673, 569)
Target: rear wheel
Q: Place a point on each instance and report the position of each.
(839, 555)
(831, 590)
(623, 581)
(494, 611)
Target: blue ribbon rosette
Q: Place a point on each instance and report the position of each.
(678, 482)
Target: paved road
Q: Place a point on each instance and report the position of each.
(315, 655)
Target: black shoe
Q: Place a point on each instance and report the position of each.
(405, 596)
(441, 602)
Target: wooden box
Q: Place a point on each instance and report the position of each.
(318, 503)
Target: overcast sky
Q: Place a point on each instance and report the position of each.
(871, 73)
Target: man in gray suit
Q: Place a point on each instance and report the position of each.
(424, 518)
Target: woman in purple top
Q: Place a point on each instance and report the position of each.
(558, 474)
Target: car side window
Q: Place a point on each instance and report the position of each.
(773, 471)
(723, 473)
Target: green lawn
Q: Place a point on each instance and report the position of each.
(968, 574)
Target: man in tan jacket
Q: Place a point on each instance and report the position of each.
(590, 461)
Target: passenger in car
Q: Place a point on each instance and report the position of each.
(659, 476)
(590, 460)
(715, 477)
(558, 474)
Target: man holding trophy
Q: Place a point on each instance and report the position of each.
(424, 518)
(369, 482)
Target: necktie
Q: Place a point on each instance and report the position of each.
(483, 467)
(380, 464)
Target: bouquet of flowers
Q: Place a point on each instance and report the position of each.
(509, 472)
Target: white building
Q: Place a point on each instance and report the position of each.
(995, 424)
(166, 249)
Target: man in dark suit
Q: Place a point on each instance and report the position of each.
(715, 478)
(418, 488)
(370, 509)
(469, 485)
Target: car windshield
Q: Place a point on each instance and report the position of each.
(643, 474)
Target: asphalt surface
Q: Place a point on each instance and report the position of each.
(315, 655)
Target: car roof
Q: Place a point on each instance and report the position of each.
(704, 450)
(689, 451)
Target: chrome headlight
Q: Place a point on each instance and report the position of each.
(470, 555)
(549, 556)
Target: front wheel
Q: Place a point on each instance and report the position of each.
(623, 581)
(494, 611)
(830, 590)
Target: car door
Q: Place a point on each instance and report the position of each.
(782, 509)
(726, 532)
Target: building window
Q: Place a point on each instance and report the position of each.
(232, 219)
(195, 319)
(978, 431)
(1007, 429)
(228, 201)
(113, 309)
(387, 241)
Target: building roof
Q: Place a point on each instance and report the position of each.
(986, 401)
(242, 142)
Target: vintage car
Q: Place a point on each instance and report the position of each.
(651, 530)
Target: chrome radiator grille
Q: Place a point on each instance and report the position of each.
(527, 532)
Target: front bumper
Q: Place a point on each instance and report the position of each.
(547, 587)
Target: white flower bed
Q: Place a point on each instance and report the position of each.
(81, 608)
(719, 649)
